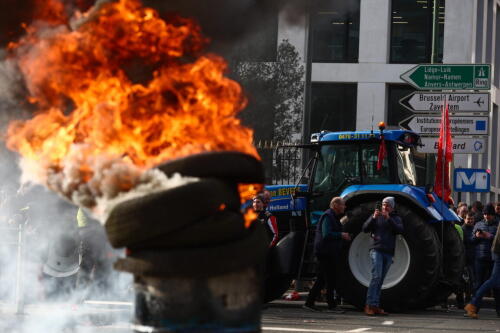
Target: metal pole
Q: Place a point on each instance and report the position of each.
(435, 31)
(306, 124)
(429, 158)
(19, 291)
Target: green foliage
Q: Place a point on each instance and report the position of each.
(276, 95)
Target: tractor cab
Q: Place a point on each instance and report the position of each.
(361, 158)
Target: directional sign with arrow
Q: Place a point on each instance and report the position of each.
(457, 102)
(460, 145)
(430, 125)
(449, 77)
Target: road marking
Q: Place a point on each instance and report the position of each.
(108, 303)
(388, 322)
(311, 330)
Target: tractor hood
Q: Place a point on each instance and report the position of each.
(438, 210)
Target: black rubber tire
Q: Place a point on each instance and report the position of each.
(203, 261)
(425, 257)
(232, 166)
(219, 228)
(453, 265)
(275, 286)
(134, 222)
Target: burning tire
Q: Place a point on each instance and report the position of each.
(135, 222)
(414, 270)
(232, 166)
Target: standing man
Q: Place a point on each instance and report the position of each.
(267, 219)
(383, 225)
(470, 251)
(477, 208)
(493, 282)
(483, 234)
(462, 212)
(327, 247)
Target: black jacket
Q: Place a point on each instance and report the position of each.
(384, 232)
(470, 246)
(483, 246)
(328, 237)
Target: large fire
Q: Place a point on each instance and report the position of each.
(119, 85)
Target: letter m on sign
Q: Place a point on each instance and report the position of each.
(471, 180)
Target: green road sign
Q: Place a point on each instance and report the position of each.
(449, 77)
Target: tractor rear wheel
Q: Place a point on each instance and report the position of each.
(450, 279)
(415, 265)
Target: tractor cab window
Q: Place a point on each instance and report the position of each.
(406, 167)
(345, 164)
(337, 167)
(369, 161)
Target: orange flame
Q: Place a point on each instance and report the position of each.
(117, 82)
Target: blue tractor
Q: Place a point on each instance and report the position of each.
(429, 259)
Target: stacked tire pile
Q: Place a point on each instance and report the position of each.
(196, 267)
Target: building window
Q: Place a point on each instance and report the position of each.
(335, 31)
(395, 111)
(333, 107)
(411, 31)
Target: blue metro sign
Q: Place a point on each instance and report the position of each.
(471, 180)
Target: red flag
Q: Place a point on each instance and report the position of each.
(382, 153)
(444, 156)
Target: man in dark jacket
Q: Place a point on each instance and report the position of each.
(483, 234)
(470, 248)
(492, 283)
(477, 208)
(327, 247)
(383, 225)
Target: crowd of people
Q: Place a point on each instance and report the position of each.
(480, 233)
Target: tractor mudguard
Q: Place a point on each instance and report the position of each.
(415, 197)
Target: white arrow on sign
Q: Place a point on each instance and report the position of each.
(457, 102)
(430, 125)
(460, 145)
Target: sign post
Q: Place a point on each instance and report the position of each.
(449, 77)
(463, 125)
(460, 145)
(430, 102)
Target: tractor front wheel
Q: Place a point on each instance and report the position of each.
(415, 265)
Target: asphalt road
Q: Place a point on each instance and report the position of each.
(279, 316)
(285, 316)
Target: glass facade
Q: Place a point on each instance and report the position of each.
(335, 35)
(396, 112)
(333, 107)
(411, 31)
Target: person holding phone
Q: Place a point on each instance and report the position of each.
(482, 236)
(384, 224)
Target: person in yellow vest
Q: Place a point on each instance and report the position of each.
(96, 265)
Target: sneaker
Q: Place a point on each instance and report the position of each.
(311, 308)
(335, 310)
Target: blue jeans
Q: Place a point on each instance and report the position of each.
(492, 283)
(381, 262)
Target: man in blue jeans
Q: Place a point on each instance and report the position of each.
(492, 283)
(383, 225)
